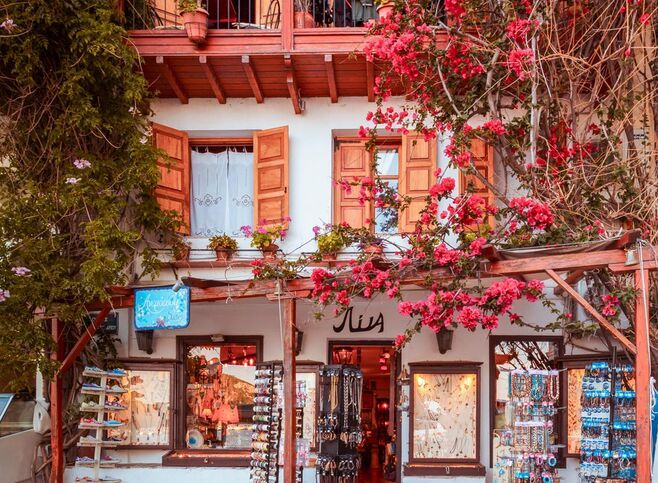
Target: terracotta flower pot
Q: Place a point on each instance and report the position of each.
(269, 253)
(304, 20)
(328, 257)
(182, 253)
(196, 25)
(223, 254)
(385, 9)
(374, 250)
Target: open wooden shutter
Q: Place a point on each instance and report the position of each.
(173, 190)
(351, 161)
(482, 157)
(271, 176)
(417, 165)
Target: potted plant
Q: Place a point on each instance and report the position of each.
(331, 241)
(263, 238)
(385, 8)
(180, 249)
(224, 246)
(303, 17)
(368, 242)
(195, 20)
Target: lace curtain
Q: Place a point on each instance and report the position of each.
(222, 191)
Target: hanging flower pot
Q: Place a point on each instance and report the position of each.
(223, 254)
(196, 25)
(269, 252)
(304, 20)
(180, 251)
(385, 9)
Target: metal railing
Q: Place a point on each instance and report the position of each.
(222, 14)
(260, 14)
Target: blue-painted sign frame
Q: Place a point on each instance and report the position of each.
(161, 308)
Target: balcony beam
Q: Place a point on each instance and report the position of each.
(212, 79)
(251, 77)
(331, 77)
(293, 87)
(170, 76)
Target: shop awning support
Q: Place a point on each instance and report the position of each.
(642, 376)
(56, 403)
(289, 389)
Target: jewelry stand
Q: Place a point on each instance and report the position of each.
(101, 425)
(339, 423)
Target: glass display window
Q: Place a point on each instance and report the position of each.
(217, 391)
(444, 413)
(147, 402)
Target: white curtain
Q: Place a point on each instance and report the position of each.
(222, 191)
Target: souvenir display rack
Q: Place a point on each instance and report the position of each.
(267, 423)
(534, 396)
(339, 423)
(102, 406)
(608, 424)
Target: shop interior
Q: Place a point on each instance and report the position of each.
(379, 366)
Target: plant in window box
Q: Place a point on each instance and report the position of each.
(303, 16)
(263, 238)
(195, 20)
(180, 249)
(224, 246)
(368, 242)
(331, 239)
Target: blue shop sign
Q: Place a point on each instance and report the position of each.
(162, 308)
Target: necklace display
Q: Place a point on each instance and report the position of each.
(534, 396)
(607, 450)
(267, 424)
(339, 423)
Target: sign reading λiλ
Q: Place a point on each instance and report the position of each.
(162, 308)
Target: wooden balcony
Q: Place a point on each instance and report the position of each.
(255, 52)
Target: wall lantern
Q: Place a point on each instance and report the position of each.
(145, 340)
(444, 340)
(299, 337)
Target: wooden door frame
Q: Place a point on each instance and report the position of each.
(393, 397)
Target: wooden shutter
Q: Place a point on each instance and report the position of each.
(482, 158)
(271, 176)
(173, 190)
(417, 165)
(351, 160)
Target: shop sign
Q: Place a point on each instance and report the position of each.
(162, 308)
(348, 321)
(109, 326)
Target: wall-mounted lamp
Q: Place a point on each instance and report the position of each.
(178, 285)
(299, 337)
(444, 340)
(145, 340)
(631, 257)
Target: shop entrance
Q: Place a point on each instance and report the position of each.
(380, 365)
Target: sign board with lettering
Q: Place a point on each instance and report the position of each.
(162, 308)
(372, 324)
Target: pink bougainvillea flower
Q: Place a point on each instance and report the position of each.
(4, 295)
(72, 180)
(246, 230)
(644, 18)
(8, 25)
(21, 271)
(82, 164)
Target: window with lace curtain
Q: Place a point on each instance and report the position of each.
(222, 189)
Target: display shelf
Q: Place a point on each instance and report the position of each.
(102, 444)
(99, 480)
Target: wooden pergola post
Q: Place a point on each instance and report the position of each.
(56, 409)
(289, 390)
(642, 377)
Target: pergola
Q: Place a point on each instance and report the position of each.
(563, 268)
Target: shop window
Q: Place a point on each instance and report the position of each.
(217, 185)
(444, 419)
(508, 353)
(147, 418)
(217, 392)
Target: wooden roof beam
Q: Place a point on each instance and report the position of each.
(572, 277)
(170, 76)
(331, 77)
(212, 79)
(251, 77)
(370, 81)
(603, 322)
(293, 87)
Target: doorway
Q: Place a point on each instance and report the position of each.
(380, 365)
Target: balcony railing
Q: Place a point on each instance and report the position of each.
(258, 14)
